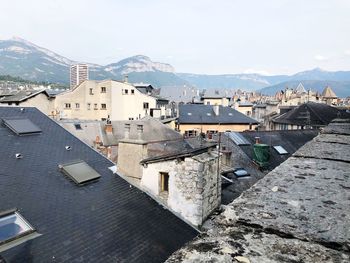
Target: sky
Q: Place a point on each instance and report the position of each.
(194, 36)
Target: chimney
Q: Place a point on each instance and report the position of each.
(257, 140)
(139, 131)
(126, 78)
(127, 131)
(108, 128)
(216, 110)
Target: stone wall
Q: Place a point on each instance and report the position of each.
(194, 185)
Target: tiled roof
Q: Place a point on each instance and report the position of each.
(204, 114)
(290, 140)
(312, 113)
(105, 221)
(328, 93)
(22, 95)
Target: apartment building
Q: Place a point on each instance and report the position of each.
(78, 74)
(107, 99)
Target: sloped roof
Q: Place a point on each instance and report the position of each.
(23, 95)
(311, 113)
(153, 130)
(105, 221)
(204, 114)
(290, 140)
(328, 93)
(300, 89)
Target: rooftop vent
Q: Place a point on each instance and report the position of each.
(22, 126)
(80, 172)
(23, 109)
(68, 148)
(19, 156)
(77, 126)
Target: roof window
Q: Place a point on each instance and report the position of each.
(280, 149)
(241, 172)
(14, 229)
(22, 126)
(80, 172)
(237, 138)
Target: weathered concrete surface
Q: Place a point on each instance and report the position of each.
(300, 212)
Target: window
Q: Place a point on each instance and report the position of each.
(132, 92)
(190, 133)
(103, 106)
(103, 89)
(95, 106)
(80, 172)
(13, 227)
(22, 126)
(280, 149)
(241, 172)
(89, 106)
(77, 126)
(125, 91)
(164, 182)
(77, 105)
(145, 105)
(67, 106)
(91, 91)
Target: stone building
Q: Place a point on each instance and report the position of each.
(183, 176)
(195, 119)
(108, 99)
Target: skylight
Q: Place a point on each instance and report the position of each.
(80, 172)
(237, 138)
(280, 149)
(241, 172)
(22, 126)
(12, 227)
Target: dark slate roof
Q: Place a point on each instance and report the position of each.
(105, 221)
(204, 114)
(320, 115)
(290, 140)
(22, 95)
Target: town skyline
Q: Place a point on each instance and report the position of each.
(270, 38)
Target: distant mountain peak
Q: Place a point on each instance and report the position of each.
(138, 63)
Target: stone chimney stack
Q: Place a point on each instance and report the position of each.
(216, 110)
(139, 131)
(126, 79)
(127, 131)
(257, 140)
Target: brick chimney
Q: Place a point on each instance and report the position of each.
(108, 128)
(257, 140)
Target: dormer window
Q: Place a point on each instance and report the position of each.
(103, 89)
(125, 91)
(91, 91)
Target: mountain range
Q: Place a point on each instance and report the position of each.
(24, 59)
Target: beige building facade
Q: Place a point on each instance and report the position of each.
(100, 100)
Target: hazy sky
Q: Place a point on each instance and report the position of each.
(198, 36)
